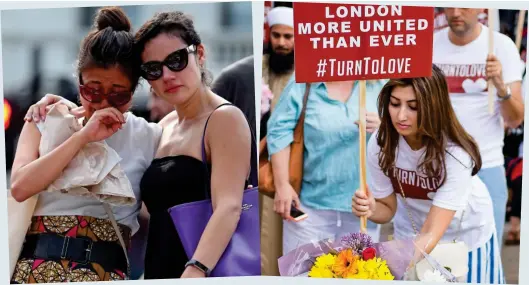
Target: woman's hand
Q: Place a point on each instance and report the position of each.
(364, 204)
(192, 272)
(103, 124)
(37, 111)
(372, 122)
(283, 199)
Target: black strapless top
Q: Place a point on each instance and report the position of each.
(169, 181)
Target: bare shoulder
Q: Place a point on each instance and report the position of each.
(228, 120)
(228, 114)
(169, 118)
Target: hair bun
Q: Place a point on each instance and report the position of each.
(113, 17)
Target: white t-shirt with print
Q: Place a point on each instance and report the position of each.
(136, 143)
(460, 191)
(464, 68)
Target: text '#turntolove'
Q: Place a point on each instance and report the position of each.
(366, 65)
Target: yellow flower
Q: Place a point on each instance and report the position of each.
(361, 272)
(325, 261)
(317, 272)
(384, 273)
(322, 267)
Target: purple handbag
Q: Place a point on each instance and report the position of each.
(242, 256)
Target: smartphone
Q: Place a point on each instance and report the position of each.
(296, 214)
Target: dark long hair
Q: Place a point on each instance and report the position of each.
(437, 125)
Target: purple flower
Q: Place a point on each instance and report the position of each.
(357, 242)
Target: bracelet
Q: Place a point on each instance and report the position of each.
(507, 96)
(197, 264)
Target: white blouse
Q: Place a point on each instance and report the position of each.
(136, 144)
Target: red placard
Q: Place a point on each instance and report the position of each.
(338, 42)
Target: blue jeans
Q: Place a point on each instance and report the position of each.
(496, 182)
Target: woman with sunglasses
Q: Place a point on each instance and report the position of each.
(173, 62)
(173, 58)
(108, 75)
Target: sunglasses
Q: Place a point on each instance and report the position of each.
(115, 99)
(176, 61)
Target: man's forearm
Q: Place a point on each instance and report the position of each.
(512, 109)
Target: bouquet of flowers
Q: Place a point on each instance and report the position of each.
(357, 260)
(354, 256)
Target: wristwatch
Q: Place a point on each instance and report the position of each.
(197, 264)
(507, 95)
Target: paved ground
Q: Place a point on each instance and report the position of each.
(510, 256)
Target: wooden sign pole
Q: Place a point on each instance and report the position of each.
(362, 127)
(491, 51)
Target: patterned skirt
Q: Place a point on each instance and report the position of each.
(31, 270)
